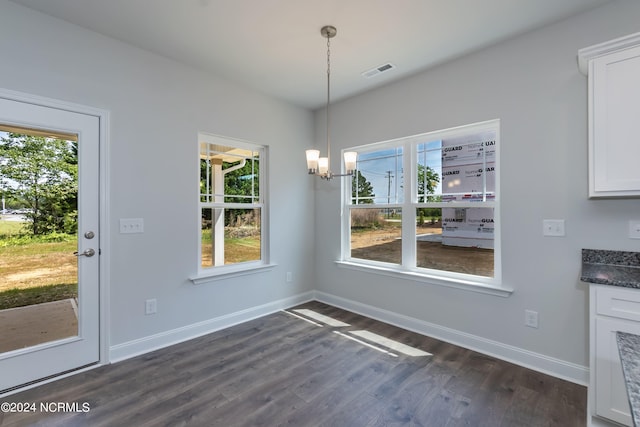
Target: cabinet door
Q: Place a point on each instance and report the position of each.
(611, 393)
(615, 129)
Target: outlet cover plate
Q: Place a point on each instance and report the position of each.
(531, 318)
(150, 306)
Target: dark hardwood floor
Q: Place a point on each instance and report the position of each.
(281, 370)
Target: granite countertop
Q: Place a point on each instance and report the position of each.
(615, 268)
(629, 348)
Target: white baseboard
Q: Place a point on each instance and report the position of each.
(558, 368)
(539, 362)
(140, 346)
(599, 422)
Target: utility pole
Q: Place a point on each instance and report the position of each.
(389, 177)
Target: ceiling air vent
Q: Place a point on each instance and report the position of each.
(378, 70)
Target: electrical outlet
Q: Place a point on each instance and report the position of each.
(634, 229)
(131, 225)
(553, 227)
(531, 318)
(150, 306)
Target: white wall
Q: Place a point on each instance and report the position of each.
(157, 107)
(533, 85)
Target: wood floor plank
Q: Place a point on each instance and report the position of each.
(337, 397)
(281, 370)
(486, 408)
(359, 412)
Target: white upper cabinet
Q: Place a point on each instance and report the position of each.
(613, 70)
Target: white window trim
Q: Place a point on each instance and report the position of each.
(210, 274)
(437, 279)
(408, 270)
(229, 271)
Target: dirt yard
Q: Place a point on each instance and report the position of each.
(384, 245)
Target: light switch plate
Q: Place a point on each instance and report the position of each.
(131, 225)
(553, 227)
(634, 229)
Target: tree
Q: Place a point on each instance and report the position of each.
(42, 172)
(242, 182)
(428, 180)
(240, 185)
(361, 189)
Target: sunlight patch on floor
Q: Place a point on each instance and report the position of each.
(382, 350)
(302, 318)
(321, 318)
(390, 344)
(383, 344)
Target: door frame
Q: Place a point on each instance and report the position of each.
(105, 232)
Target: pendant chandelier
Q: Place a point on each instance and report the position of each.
(317, 165)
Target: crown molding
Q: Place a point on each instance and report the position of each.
(588, 53)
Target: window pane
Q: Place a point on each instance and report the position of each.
(429, 173)
(455, 239)
(454, 169)
(229, 174)
(376, 235)
(378, 178)
(230, 236)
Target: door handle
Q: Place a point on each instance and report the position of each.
(88, 253)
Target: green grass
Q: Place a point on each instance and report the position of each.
(10, 228)
(25, 239)
(23, 297)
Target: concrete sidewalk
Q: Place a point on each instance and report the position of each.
(36, 324)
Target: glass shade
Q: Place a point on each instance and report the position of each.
(350, 158)
(323, 165)
(312, 160)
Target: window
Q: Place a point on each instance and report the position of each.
(232, 205)
(427, 205)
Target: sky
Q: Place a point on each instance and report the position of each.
(469, 167)
(383, 169)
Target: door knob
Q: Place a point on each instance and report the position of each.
(88, 253)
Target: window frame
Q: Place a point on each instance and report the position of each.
(409, 204)
(206, 274)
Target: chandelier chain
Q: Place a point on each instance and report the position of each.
(328, 94)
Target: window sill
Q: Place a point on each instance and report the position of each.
(468, 285)
(227, 273)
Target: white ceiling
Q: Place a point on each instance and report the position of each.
(275, 46)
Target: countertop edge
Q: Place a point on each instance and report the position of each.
(613, 268)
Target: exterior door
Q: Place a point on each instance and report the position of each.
(25, 360)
